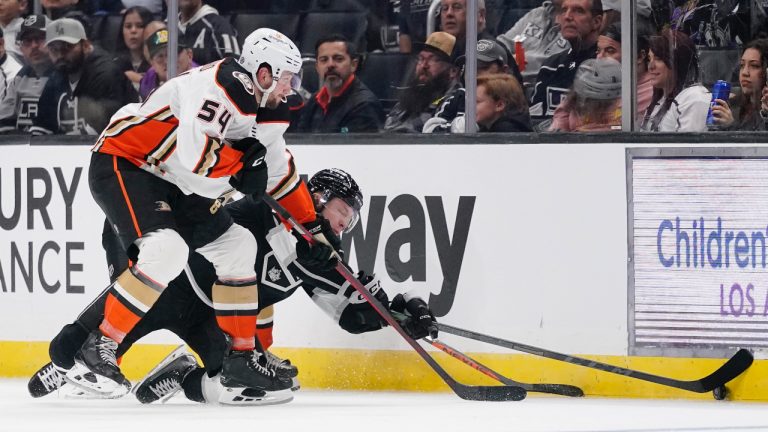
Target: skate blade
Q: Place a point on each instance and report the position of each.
(232, 396)
(89, 382)
(176, 353)
(80, 393)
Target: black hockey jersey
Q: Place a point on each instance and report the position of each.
(279, 275)
(554, 80)
(210, 36)
(83, 108)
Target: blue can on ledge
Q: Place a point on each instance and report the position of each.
(720, 90)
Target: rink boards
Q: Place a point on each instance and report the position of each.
(542, 244)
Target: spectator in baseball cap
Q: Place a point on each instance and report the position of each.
(86, 88)
(20, 104)
(157, 47)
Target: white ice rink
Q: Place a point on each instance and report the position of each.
(314, 411)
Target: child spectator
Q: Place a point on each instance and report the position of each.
(679, 103)
(157, 44)
(748, 110)
(501, 104)
(130, 44)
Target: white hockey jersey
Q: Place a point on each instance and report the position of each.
(687, 113)
(179, 134)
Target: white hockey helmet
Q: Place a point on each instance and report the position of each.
(275, 49)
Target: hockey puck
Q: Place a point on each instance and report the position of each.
(720, 393)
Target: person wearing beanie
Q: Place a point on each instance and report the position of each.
(594, 101)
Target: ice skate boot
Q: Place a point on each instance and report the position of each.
(165, 379)
(283, 368)
(46, 380)
(98, 356)
(249, 369)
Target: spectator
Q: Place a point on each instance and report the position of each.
(19, 108)
(453, 20)
(643, 82)
(85, 89)
(9, 67)
(609, 42)
(412, 23)
(343, 103)
(612, 11)
(155, 7)
(210, 36)
(501, 105)
(56, 9)
(130, 44)
(435, 77)
(679, 103)
(594, 102)
(748, 110)
(491, 59)
(11, 17)
(157, 46)
(580, 22)
(541, 39)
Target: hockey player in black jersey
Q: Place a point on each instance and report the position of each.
(285, 263)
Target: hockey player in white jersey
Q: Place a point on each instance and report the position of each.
(205, 133)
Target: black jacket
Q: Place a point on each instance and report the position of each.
(210, 36)
(512, 123)
(356, 110)
(86, 110)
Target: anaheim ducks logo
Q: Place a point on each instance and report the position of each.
(245, 80)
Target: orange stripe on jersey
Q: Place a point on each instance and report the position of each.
(218, 160)
(126, 197)
(141, 139)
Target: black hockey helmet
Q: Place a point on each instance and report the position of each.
(335, 183)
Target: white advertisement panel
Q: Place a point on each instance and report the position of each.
(700, 225)
(525, 242)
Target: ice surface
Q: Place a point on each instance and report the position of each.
(319, 411)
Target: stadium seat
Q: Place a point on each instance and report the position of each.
(316, 25)
(289, 6)
(309, 79)
(340, 5)
(245, 23)
(105, 30)
(383, 73)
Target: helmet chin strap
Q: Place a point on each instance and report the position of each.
(265, 92)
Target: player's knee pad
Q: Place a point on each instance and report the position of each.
(233, 254)
(162, 255)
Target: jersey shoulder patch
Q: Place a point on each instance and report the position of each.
(238, 86)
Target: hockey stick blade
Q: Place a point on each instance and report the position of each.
(477, 393)
(558, 389)
(734, 367)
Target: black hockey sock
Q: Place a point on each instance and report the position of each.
(193, 385)
(65, 345)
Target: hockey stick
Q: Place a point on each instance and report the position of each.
(559, 389)
(479, 393)
(730, 370)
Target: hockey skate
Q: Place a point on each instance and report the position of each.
(46, 380)
(97, 355)
(165, 379)
(249, 369)
(252, 397)
(283, 368)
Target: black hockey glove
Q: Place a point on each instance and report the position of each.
(322, 256)
(419, 321)
(252, 178)
(321, 230)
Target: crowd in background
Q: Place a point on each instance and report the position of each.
(545, 66)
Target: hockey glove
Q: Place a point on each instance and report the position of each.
(419, 321)
(252, 178)
(318, 257)
(321, 230)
